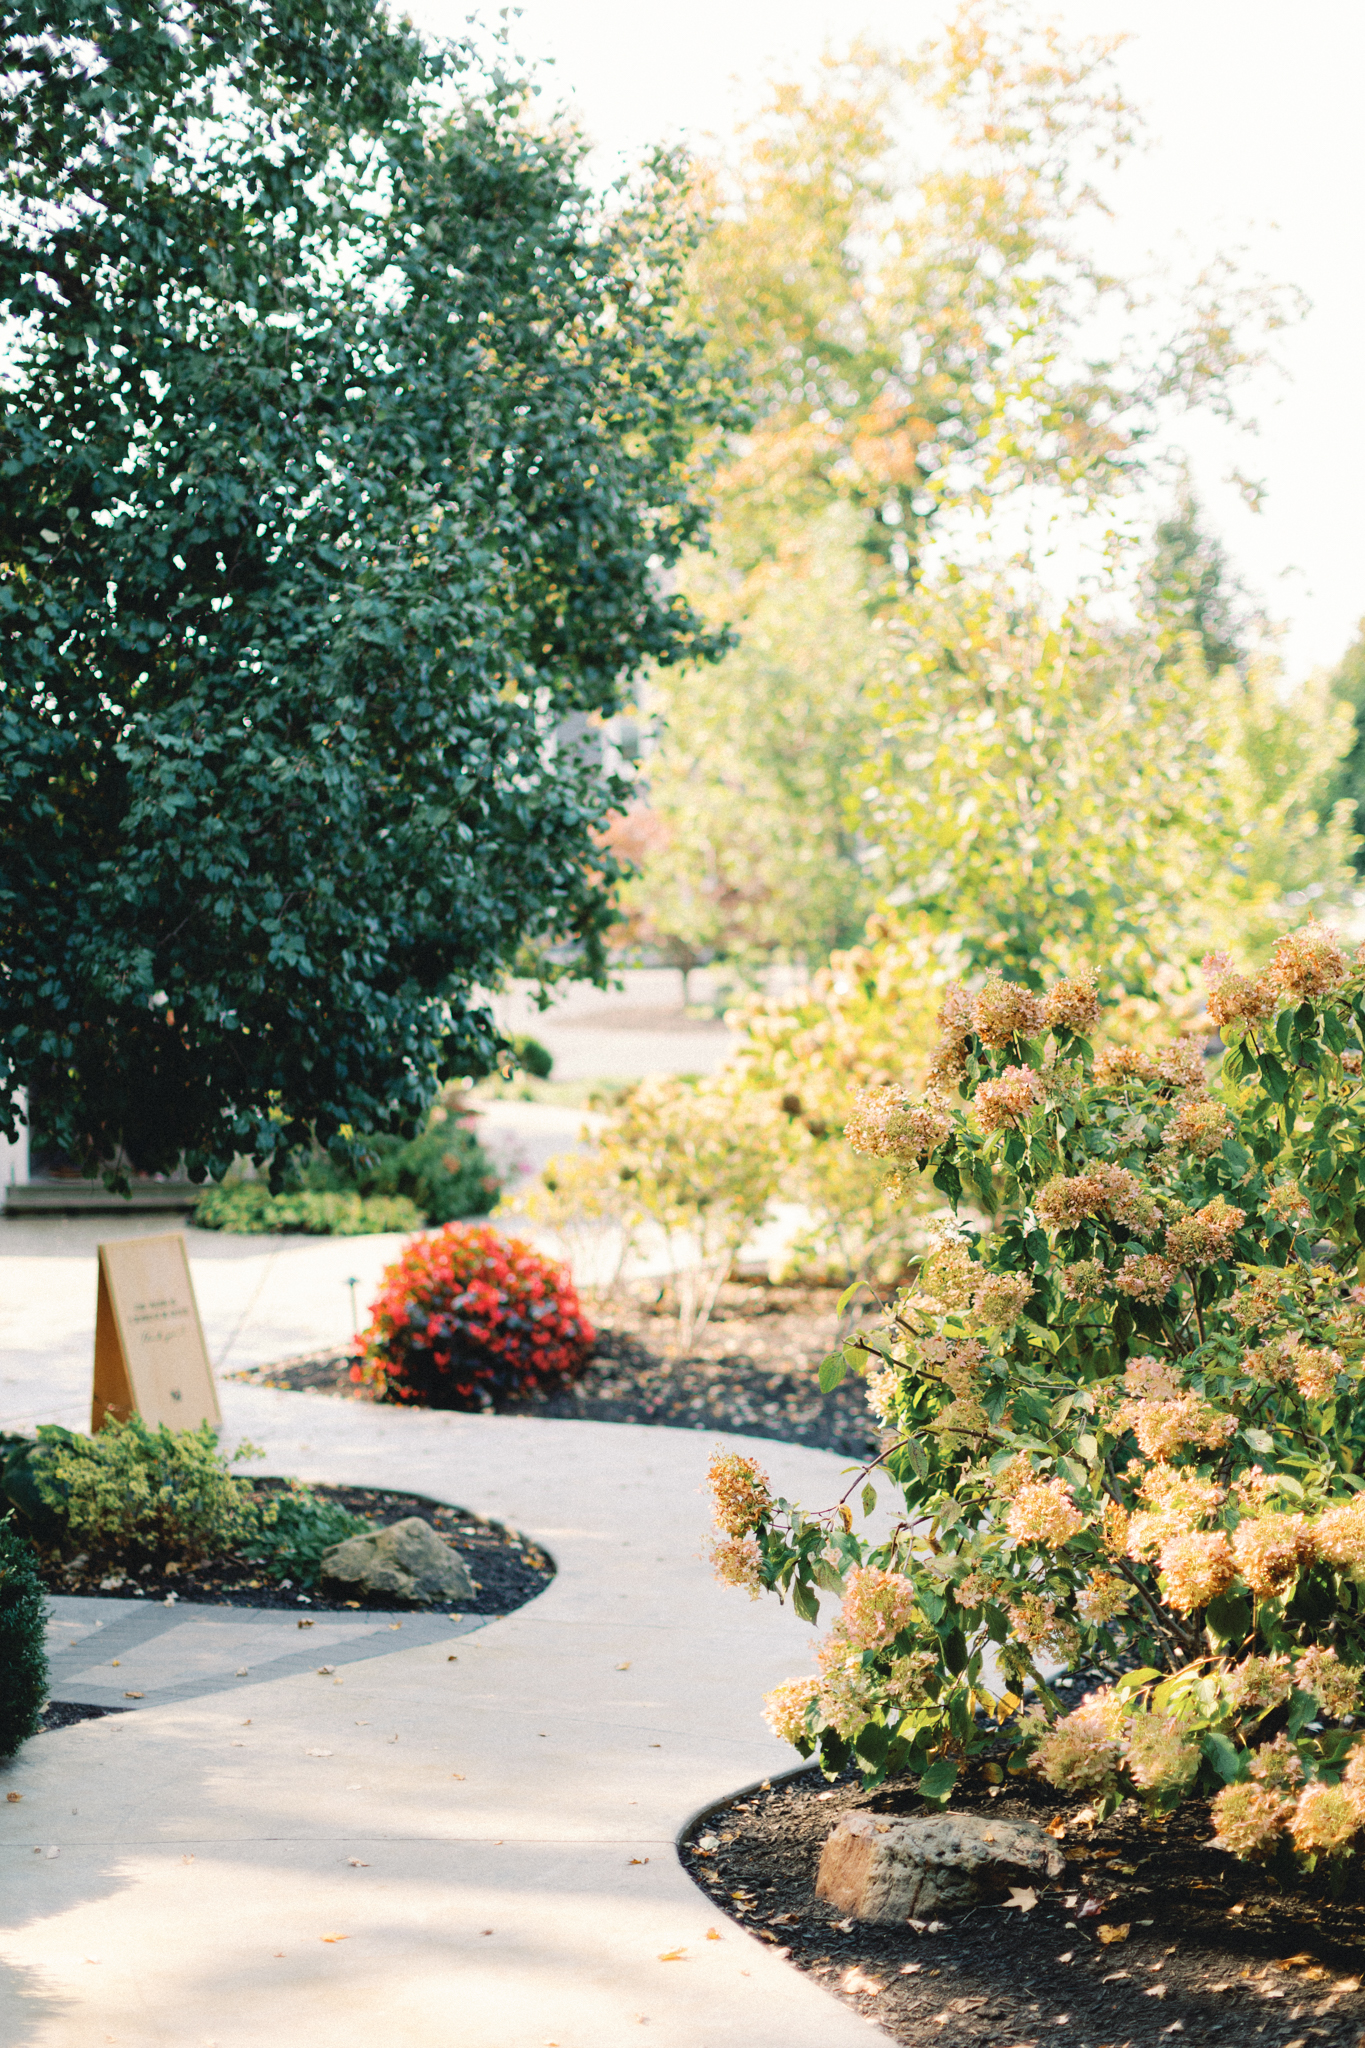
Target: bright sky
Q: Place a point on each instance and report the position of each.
(1254, 142)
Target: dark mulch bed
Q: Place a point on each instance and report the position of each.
(1213, 1950)
(753, 1371)
(507, 1569)
(66, 1713)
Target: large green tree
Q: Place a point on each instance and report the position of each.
(345, 433)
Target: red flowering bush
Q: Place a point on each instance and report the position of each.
(467, 1319)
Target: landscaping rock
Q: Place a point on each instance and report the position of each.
(406, 1561)
(886, 1870)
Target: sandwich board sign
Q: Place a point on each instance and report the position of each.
(150, 1356)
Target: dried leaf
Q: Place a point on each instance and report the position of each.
(336, 1937)
(13, 1798)
(712, 1934)
(1110, 1932)
(1056, 1826)
(638, 1859)
(1089, 1909)
(1021, 1896)
(672, 1955)
(356, 1863)
(856, 1981)
(317, 1752)
(326, 1670)
(1299, 1962)
(134, 1695)
(625, 1666)
(1156, 1991)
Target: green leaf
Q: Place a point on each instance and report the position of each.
(1133, 1681)
(1229, 1617)
(805, 1601)
(938, 1781)
(914, 1451)
(1260, 1441)
(868, 1498)
(833, 1371)
(1227, 1760)
(846, 1297)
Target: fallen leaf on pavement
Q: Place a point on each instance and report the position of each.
(672, 1955)
(326, 1670)
(459, 1775)
(133, 1695)
(336, 1937)
(356, 1863)
(317, 1752)
(623, 1667)
(638, 1859)
(712, 1934)
(13, 1798)
(1110, 1933)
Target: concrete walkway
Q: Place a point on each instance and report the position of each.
(463, 1843)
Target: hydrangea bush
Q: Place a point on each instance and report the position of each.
(1124, 1416)
(466, 1318)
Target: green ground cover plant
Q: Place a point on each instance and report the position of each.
(248, 1208)
(1123, 1415)
(23, 1641)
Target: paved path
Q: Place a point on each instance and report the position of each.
(488, 1819)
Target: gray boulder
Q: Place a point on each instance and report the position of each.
(406, 1561)
(877, 1868)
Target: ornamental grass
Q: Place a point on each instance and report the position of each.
(1123, 1415)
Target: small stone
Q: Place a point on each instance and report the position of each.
(885, 1870)
(406, 1561)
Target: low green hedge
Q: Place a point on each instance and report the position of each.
(248, 1208)
(23, 1641)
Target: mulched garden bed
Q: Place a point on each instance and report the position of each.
(507, 1569)
(752, 1371)
(1149, 1937)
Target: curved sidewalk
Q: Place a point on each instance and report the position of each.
(492, 1836)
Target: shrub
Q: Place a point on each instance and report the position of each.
(297, 1525)
(466, 1318)
(248, 1208)
(444, 1172)
(1125, 1417)
(133, 1492)
(23, 1641)
(532, 1057)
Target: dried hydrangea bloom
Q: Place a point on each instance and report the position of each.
(1238, 1003)
(1073, 1005)
(1307, 962)
(1005, 1011)
(1084, 1281)
(886, 1124)
(737, 1561)
(1181, 1065)
(1198, 1128)
(1249, 1819)
(1146, 1277)
(1159, 1753)
(1277, 1763)
(975, 1589)
(1205, 1236)
(1152, 1379)
(1123, 1063)
(1177, 1501)
(1012, 1477)
(1339, 1535)
(1196, 1569)
(1256, 1685)
(1334, 1685)
(739, 1493)
(1273, 1364)
(1039, 1623)
(1270, 1549)
(950, 1275)
(847, 1690)
(1001, 1299)
(883, 1387)
(785, 1709)
(1325, 1821)
(1316, 1371)
(1259, 1301)
(1353, 1780)
(1252, 1489)
(1115, 1528)
(1004, 1103)
(1103, 1597)
(1080, 1753)
(1164, 1427)
(1106, 1190)
(1044, 1512)
(1288, 1203)
(877, 1606)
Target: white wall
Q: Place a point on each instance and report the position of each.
(14, 1158)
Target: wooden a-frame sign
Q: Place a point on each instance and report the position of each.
(150, 1356)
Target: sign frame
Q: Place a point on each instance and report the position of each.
(150, 1356)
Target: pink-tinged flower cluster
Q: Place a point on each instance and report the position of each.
(738, 1561)
(1181, 1064)
(1206, 1236)
(1325, 1821)
(1164, 1427)
(1257, 1684)
(1001, 1298)
(877, 1606)
(1104, 1596)
(1196, 1568)
(886, 1124)
(739, 1493)
(786, 1707)
(948, 1061)
(1073, 1005)
(1044, 1512)
(466, 1314)
(1316, 1372)
(1124, 1063)
(1145, 1277)
(1334, 1685)
(1004, 1103)
(1239, 1002)
(1152, 1379)
(1339, 1535)
(1307, 962)
(1105, 1191)
(1084, 1281)
(1288, 1203)
(1081, 1752)
(1249, 1819)
(1040, 1622)
(1260, 1301)
(1198, 1128)
(1160, 1754)
(1271, 1550)
(1177, 1500)
(1004, 1011)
